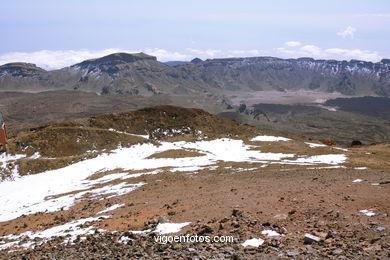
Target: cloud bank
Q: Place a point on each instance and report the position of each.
(56, 59)
(314, 51)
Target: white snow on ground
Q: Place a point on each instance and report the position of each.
(140, 231)
(125, 133)
(61, 188)
(113, 207)
(327, 167)
(8, 245)
(254, 242)
(167, 228)
(314, 145)
(41, 192)
(324, 159)
(357, 180)
(367, 212)
(230, 150)
(124, 175)
(360, 168)
(6, 160)
(187, 169)
(341, 149)
(269, 138)
(245, 169)
(124, 239)
(71, 230)
(270, 233)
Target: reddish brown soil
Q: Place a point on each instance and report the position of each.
(317, 201)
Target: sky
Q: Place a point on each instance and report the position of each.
(55, 34)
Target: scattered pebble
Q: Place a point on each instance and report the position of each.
(292, 253)
(380, 228)
(309, 238)
(270, 233)
(281, 216)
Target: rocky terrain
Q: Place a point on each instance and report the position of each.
(141, 74)
(287, 95)
(109, 185)
(86, 178)
(347, 119)
(119, 73)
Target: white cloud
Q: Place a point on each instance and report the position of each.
(246, 53)
(292, 43)
(209, 53)
(311, 50)
(57, 59)
(164, 55)
(330, 53)
(347, 33)
(354, 54)
(54, 59)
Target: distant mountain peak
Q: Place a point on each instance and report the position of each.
(116, 58)
(21, 65)
(196, 60)
(142, 74)
(21, 70)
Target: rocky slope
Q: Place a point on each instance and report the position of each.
(268, 73)
(122, 73)
(141, 74)
(27, 77)
(107, 186)
(119, 73)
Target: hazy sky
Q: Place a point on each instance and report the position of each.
(59, 33)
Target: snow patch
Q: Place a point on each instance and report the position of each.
(254, 242)
(124, 239)
(269, 138)
(71, 230)
(270, 233)
(367, 212)
(327, 167)
(113, 207)
(61, 188)
(314, 145)
(125, 133)
(167, 228)
(341, 149)
(123, 176)
(324, 159)
(360, 168)
(7, 163)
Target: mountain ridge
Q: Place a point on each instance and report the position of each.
(142, 74)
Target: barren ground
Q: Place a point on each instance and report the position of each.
(239, 199)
